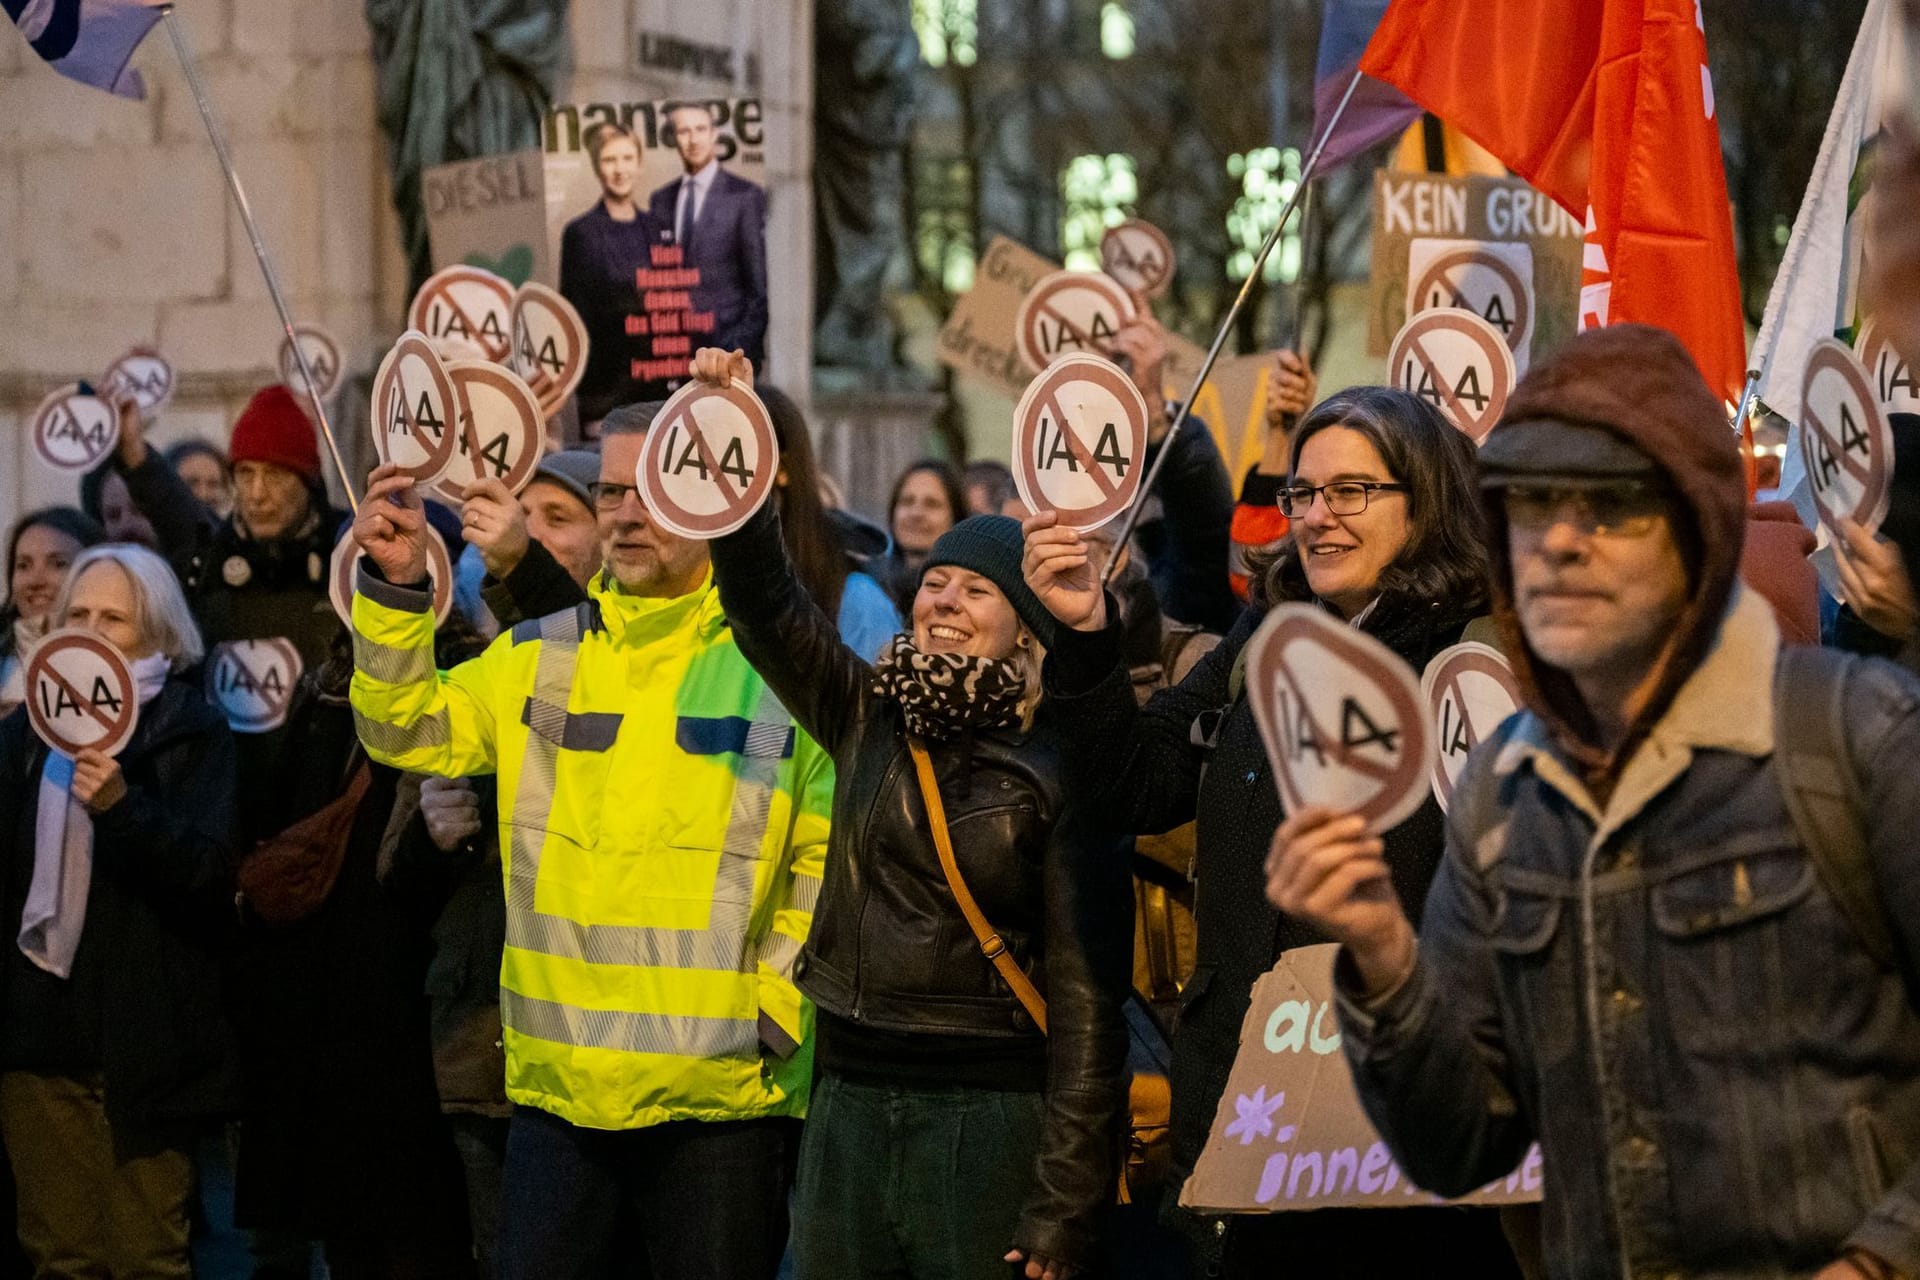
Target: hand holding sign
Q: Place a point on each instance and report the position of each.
(81, 694)
(392, 525)
(1061, 572)
(341, 571)
(1875, 582)
(709, 461)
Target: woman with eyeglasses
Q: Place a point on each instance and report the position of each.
(1385, 535)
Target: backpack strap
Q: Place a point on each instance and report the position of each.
(1821, 787)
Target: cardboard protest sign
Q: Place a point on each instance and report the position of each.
(144, 376)
(252, 682)
(978, 340)
(1468, 690)
(1070, 313)
(466, 313)
(1892, 377)
(500, 433)
(72, 429)
(342, 567)
(1080, 441)
(323, 357)
(81, 693)
(415, 409)
(1845, 439)
(1419, 218)
(1494, 281)
(1290, 1134)
(1341, 716)
(709, 461)
(1459, 364)
(549, 344)
(490, 213)
(978, 335)
(1138, 256)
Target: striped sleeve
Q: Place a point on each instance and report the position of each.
(780, 1000)
(408, 714)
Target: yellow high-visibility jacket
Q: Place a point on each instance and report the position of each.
(663, 824)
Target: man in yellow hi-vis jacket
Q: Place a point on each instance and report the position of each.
(662, 827)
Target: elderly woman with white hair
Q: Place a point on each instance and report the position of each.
(115, 875)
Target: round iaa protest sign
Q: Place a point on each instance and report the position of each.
(1845, 439)
(1080, 441)
(466, 313)
(323, 357)
(145, 377)
(549, 344)
(501, 430)
(73, 430)
(1139, 256)
(1456, 362)
(1069, 313)
(1469, 689)
(709, 461)
(346, 561)
(81, 693)
(1341, 716)
(415, 409)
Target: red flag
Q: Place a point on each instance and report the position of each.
(1607, 106)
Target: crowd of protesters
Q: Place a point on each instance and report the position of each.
(625, 920)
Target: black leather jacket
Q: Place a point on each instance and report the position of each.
(890, 949)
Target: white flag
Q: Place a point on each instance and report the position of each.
(1816, 292)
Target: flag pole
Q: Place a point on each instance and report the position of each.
(219, 140)
(1226, 326)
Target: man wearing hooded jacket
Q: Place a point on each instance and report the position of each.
(1631, 954)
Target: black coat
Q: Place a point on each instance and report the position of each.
(143, 1005)
(1141, 768)
(888, 947)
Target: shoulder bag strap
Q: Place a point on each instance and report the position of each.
(991, 945)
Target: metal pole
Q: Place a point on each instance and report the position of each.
(219, 141)
(1746, 399)
(1226, 325)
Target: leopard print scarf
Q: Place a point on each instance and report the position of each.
(943, 695)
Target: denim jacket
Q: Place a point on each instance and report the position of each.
(1660, 991)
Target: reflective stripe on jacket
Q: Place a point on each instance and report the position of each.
(663, 826)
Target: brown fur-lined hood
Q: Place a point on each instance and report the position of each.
(1638, 384)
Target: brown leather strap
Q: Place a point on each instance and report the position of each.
(991, 945)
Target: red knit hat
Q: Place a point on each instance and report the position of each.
(273, 428)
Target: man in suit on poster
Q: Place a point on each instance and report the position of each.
(720, 220)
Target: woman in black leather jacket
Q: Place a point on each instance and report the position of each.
(947, 1134)
(1385, 535)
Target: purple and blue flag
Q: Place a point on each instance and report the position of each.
(88, 40)
(1378, 111)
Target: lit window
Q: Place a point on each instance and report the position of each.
(1096, 192)
(1268, 177)
(942, 232)
(1116, 30)
(949, 31)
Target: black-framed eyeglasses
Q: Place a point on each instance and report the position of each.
(1625, 510)
(607, 496)
(1344, 497)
